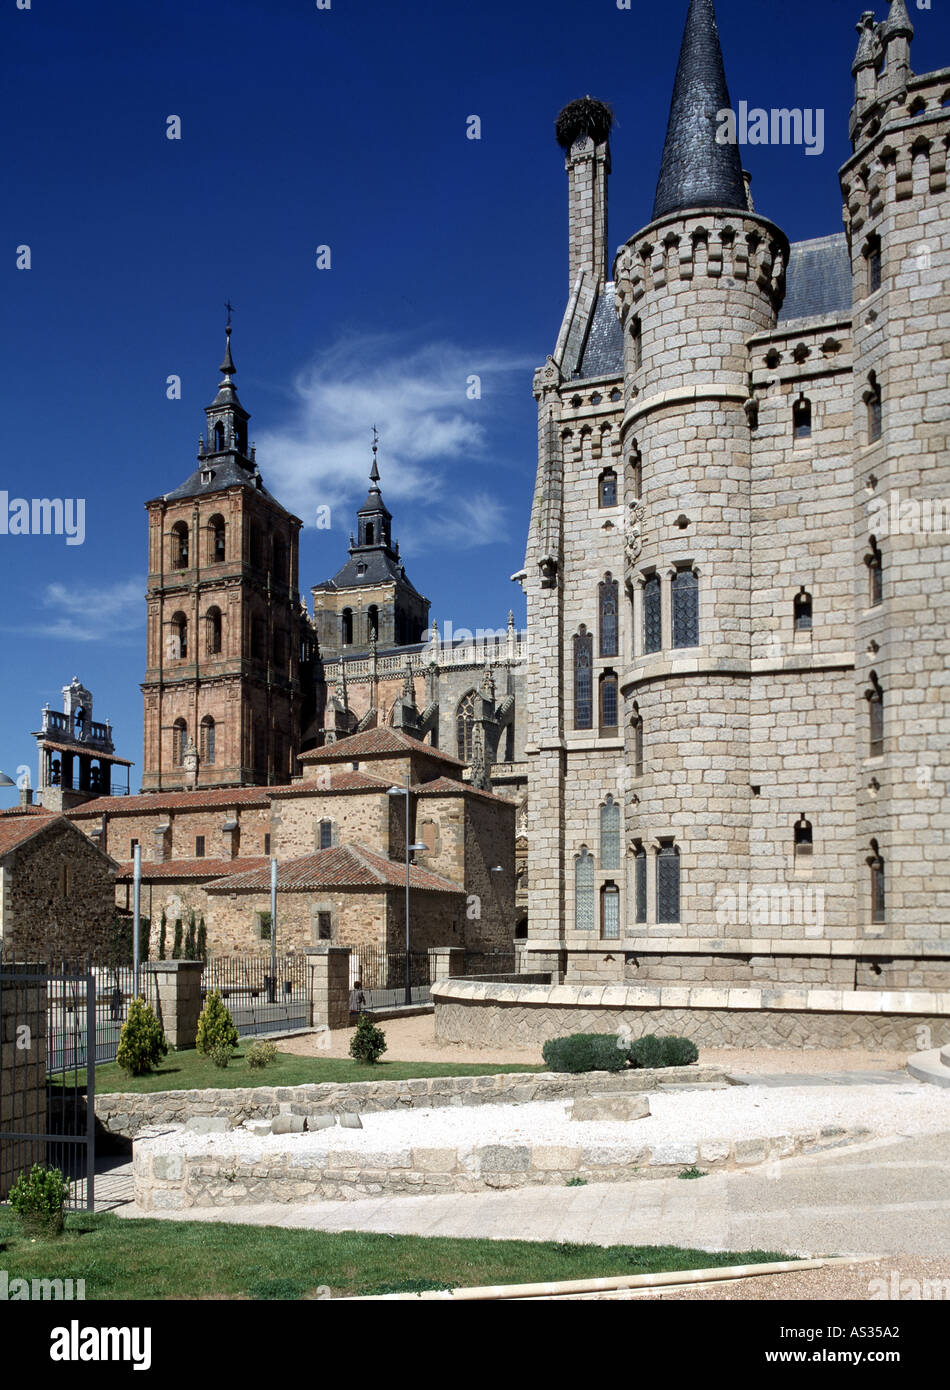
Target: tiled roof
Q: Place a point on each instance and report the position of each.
(192, 868)
(174, 801)
(52, 746)
(381, 567)
(375, 743)
(339, 781)
(447, 786)
(27, 811)
(344, 866)
(603, 350)
(16, 830)
(818, 281)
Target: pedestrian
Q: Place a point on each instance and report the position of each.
(357, 998)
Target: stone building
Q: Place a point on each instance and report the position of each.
(738, 597)
(76, 755)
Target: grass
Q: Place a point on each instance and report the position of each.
(189, 1071)
(692, 1173)
(146, 1259)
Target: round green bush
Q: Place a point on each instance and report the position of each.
(652, 1051)
(368, 1043)
(582, 1052)
(261, 1054)
(221, 1054)
(215, 1026)
(38, 1198)
(142, 1042)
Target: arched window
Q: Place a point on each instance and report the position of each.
(876, 866)
(685, 608)
(179, 645)
(636, 338)
(875, 698)
(802, 610)
(652, 614)
(216, 540)
(584, 891)
(636, 741)
(583, 679)
(801, 418)
(640, 883)
(346, 627)
(180, 545)
(465, 725)
(874, 562)
(372, 621)
(610, 912)
(370, 531)
(219, 437)
(207, 739)
(607, 488)
(667, 882)
(872, 256)
(635, 470)
(608, 701)
(325, 834)
(179, 741)
(803, 841)
(610, 834)
(609, 596)
(213, 621)
(873, 401)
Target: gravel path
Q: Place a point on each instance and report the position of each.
(737, 1113)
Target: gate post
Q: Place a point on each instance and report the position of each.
(173, 988)
(23, 1008)
(328, 986)
(446, 963)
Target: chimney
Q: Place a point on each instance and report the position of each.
(26, 796)
(583, 132)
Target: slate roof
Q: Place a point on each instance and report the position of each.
(225, 472)
(375, 743)
(382, 567)
(818, 279)
(193, 868)
(602, 354)
(344, 866)
(696, 172)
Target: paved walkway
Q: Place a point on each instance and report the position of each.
(885, 1197)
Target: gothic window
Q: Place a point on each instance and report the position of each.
(217, 549)
(608, 488)
(801, 418)
(873, 560)
(668, 882)
(584, 891)
(876, 866)
(875, 699)
(179, 741)
(872, 256)
(610, 834)
(207, 739)
(802, 610)
(635, 470)
(326, 834)
(609, 592)
(180, 546)
(465, 725)
(372, 619)
(640, 883)
(608, 701)
(346, 627)
(179, 649)
(583, 680)
(652, 615)
(213, 621)
(636, 337)
(636, 726)
(803, 841)
(685, 591)
(872, 398)
(610, 912)
(219, 437)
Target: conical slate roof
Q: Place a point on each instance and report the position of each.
(696, 171)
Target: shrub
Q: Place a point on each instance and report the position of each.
(202, 941)
(215, 1026)
(368, 1043)
(142, 1042)
(651, 1051)
(179, 938)
(163, 937)
(221, 1054)
(191, 948)
(581, 1052)
(38, 1198)
(261, 1054)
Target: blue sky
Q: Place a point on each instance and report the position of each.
(300, 128)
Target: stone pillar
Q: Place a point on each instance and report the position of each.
(553, 963)
(22, 1070)
(173, 988)
(446, 963)
(328, 986)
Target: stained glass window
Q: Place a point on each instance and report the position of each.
(877, 888)
(465, 724)
(640, 883)
(608, 488)
(803, 611)
(636, 725)
(668, 883)
(610, 912)
(652, 615)
(609, 603)
(608, 702)
(685, 609)
(584, 891)
(583, 681)
(610, 834)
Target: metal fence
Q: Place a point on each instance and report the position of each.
(382, 976)
(260, 1000)
(490, 963)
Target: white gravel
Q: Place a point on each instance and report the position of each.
(748, 1112)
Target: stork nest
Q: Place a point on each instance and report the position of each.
(583, 117)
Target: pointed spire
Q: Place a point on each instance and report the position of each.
(697, 171)
(869, 48)
(227, 366)
(897, 22)
(374, 472)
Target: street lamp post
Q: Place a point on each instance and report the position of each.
(404, 791)
(273, 930)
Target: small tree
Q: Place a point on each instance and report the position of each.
(142, 1042)
(191, 948)
(202, 941)
(179, 936)
(368, 1043)
(162, 936)
(38, 1198)
(145, 937)
(215, 1026)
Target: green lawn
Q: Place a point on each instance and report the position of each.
(142, 1259)
(189, 1071)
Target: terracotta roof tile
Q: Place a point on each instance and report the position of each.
(375, 743)
(344, 866)
(191, 868)
(339, 781)
(174, 801)
(447, 786)
(16, 830)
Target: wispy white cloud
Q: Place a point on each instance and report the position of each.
(92, 612)
(433, 437)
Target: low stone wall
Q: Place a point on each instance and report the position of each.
(500, 1015)
(212, 1176)
(125, 1114)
